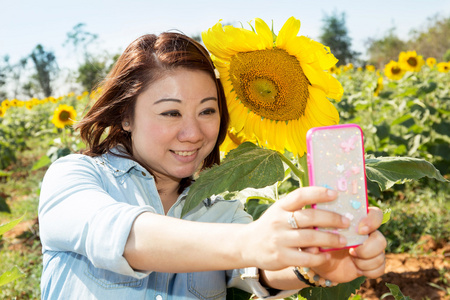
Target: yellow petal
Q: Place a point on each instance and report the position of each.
(264, 33)
(289, 30)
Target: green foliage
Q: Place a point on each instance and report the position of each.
(395, 292)
(432, 39)
(385, 49)
(46, 67)
(14, 273)
(341, 291)
(237, 294)
(416, 213)
(335, 35)
(387, 171)
(246, 166)
(91, 72)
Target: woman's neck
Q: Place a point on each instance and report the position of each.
(168, 192)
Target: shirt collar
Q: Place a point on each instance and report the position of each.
(120, 165)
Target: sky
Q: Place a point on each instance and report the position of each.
(26, 23)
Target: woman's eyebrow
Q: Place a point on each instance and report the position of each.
(179, 101)
(167, 100)
(208, 99)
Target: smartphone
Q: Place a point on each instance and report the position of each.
(335, 158)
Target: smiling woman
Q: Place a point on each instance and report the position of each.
(110, 218)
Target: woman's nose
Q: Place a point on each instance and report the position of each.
(190, 131)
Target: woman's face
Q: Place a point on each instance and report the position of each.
(176, 123)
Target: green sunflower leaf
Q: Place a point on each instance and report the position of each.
(387, 171)
(244, 167)
(340, 292)
(11, 275)
(10, 225)
(396, 293)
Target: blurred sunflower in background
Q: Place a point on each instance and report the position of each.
(431, 61)
(64, 115)
(276, 86)
(443, 67)
(394, 71)
(2, 112)
(379, 87)
(410, 61)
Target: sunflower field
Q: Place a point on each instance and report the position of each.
(403, 109)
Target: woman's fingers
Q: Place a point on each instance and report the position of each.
(301, 197)
(371, 222)
(306, 238)
(373, 246)
(369, 258)
(308, 218)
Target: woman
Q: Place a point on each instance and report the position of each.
(110, 218)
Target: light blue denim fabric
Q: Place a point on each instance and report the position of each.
(86, 210)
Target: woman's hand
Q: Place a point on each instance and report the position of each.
(367, 259)
(273, 244)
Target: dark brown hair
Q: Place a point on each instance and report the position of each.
(145, 60)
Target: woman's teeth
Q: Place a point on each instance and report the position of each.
(184, 153)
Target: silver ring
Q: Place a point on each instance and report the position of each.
(292, 221)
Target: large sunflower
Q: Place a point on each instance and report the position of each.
(410, 61)
(276, 86)
(64, 115)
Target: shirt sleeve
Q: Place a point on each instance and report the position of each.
(247, 279)
(77, 214)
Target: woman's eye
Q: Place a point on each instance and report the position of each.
(171, 113)
(209, 111)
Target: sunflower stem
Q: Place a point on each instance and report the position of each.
(299, 173)
(303, 164)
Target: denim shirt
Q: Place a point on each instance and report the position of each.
(86, 209)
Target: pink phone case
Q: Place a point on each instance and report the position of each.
(336, 161)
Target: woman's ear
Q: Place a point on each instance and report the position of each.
(126, 125)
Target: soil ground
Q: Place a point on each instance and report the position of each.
(416, 275)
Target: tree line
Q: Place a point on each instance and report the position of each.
(35, 74)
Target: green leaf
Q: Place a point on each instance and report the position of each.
(42, 162)
(340, 292)
(395, 291)
(386, 216)
(237, 294)
(256, 207)
(11, 275)
(405, 120)
(4, 207)
(8, 226)
(246, 166)
(387, 171)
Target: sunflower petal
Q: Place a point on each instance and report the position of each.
(289, 30)
(264, 33)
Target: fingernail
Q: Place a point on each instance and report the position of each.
(331, 193)
(342, 240)
(359, 272)
(345, 220)
(363, 229)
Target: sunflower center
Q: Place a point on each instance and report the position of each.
(412, 61)
(64, 116)
(271, 83)
(396, 70)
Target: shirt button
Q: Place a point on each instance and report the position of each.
(159, 297)
(143, 173)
